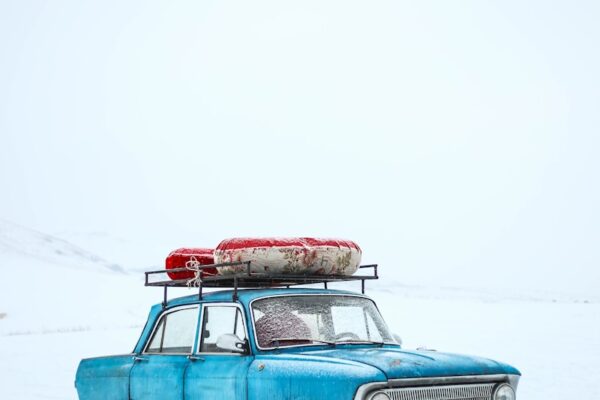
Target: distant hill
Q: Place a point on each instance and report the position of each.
(48, 284)
(18, 240)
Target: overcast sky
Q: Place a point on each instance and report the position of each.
(455, 141)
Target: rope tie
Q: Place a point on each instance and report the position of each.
(194, 265)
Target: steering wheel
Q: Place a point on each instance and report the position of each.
(347, 335)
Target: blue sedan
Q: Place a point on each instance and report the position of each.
(284, 344)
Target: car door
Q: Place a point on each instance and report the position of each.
(159, 371)
(217, 373)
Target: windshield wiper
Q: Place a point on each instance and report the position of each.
(279, 340)
(359, 341)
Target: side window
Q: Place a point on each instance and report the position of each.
(175, 332)
(218, 321)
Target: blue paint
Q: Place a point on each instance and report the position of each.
(396, 363)
(299, 376)
(306, 372)
(97, 377)
(158, 377)
(217, 377)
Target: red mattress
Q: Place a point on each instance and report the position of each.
(185, 257)
(290, 255)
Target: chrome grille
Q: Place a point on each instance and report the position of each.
(450, 392)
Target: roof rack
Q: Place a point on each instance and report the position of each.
(245, 278)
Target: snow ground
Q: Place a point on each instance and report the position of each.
(554, 345)
(44, 331)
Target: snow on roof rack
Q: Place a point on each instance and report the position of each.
(247, 279)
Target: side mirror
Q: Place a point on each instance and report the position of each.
(232, 343)
(397, 338)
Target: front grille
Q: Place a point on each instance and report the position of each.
(450, 392)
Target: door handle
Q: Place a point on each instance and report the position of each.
(195, 358)
(139, 359)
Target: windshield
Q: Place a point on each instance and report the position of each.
(302, 320)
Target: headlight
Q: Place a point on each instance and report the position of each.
(380, 396)
(504, 392)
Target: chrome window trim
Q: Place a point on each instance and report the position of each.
(159, 320)
(308, 294)
(167, 354)
(365, 390)
(199, 337)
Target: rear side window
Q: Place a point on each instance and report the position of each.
(175, 332)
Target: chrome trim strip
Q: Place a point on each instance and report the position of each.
(110, 356)
(367, 388)
(448, 380)
(514, 381)
(199, 336)
(307, 294)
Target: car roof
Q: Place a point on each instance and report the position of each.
(245, 296)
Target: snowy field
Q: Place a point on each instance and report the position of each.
(553, 339)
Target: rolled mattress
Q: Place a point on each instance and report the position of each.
(298, 256)
(187, 258)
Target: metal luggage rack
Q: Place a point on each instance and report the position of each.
(245, 278)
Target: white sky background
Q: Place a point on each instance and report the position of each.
(457, 142)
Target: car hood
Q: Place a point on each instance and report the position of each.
(396, 363)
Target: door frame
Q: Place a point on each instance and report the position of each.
(159, 320)
(199, 332)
